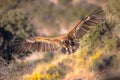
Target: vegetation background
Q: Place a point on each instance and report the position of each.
(97, 59)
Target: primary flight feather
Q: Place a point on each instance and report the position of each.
(67, 43)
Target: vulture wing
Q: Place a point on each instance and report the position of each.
(85, 24)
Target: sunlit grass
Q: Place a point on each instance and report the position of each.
(58, 68)
(91, 63)
(66, 66)
(36, 76)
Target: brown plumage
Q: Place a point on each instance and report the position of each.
(67, 43)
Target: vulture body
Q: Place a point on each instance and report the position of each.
(67, 43)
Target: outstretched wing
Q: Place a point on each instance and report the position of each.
(66, 42)
(85, 24)
(39, 44)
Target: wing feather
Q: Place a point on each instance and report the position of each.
(85, 24)
(39, 45)
(36, 44)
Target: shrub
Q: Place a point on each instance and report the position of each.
(113, 7)
(13, 24)
(58, 71)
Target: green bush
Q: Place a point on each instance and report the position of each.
(101, 37)
(7, 4)
(57, 72)
(17, 22)
(14, 24)
(113, 7)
